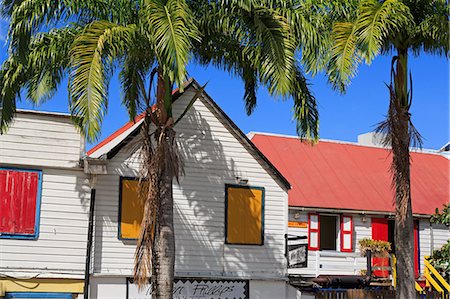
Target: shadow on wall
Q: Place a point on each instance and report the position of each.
(200, 206)
(199, 209)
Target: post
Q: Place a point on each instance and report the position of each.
(87, 273)
(369, 263)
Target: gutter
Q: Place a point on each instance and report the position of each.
(93, 167)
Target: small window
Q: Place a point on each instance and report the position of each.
(244, 219)
(131, 209)
(328, 232)
(20, 192)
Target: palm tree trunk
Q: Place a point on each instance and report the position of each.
(164, 255)
(165, 241)
(400, 139)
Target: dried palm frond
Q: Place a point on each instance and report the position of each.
(160, 159)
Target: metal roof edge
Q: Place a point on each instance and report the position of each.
(412, 149)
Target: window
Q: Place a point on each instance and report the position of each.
(131, 209)
(327, 232)
(244, 215)
(20, 192)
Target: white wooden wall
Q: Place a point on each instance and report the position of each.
(431, 237)
(212, 156)
(332, 262)
(49, 143)
(39, 139)
(343, 263)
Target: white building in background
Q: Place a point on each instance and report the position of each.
(341, 193)
(44, 201)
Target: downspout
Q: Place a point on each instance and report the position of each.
(87, 268)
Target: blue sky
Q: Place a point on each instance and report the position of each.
(342, 117)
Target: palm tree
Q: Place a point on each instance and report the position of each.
(365, 29)
(148, 40)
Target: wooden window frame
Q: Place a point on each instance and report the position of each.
(262, 189)
(37, 218)
(119, 216)
(348, 232)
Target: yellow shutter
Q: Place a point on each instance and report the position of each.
(131, 209)
(244, 215)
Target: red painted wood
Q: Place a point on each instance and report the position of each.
(337, 175)
(380, 232)
(347, 232)
(18, 191)
(416, 248)
(314, 231)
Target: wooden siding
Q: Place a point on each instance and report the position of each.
(343, 263)
(61, 245)
(41, 140)
(431, 237)
(49, 142)
(213, 156)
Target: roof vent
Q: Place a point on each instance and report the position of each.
(371, 139)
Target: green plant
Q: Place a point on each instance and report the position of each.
(440, 259)
(377, 247)
(444, 217)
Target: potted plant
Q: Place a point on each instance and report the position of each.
(379, 254)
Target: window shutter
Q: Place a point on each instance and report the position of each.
(19, 191)
(131, 209)
(346, 234)
(244, 218)
(313, 232)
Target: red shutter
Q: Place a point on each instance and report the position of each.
(346, 234)
(18, 196)
(380, 229)
(416, 248)
(313, 232)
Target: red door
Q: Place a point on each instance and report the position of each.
(380, 231)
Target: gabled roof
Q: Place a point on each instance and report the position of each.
(339, 175)
(111, 145)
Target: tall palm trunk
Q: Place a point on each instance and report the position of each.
(165, 238)
(400, 137)
(155, 252)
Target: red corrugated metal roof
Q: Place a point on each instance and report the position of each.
(350, 176)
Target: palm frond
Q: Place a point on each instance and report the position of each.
(171, 28)
(92, 54)
(305, 109)
(12, 78)
(344, 55)
(47, 62)
(377, 21)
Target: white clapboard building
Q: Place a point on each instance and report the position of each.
(341, 193)
(44, 203)
(230, 211)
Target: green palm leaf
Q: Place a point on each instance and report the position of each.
(92, 54)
